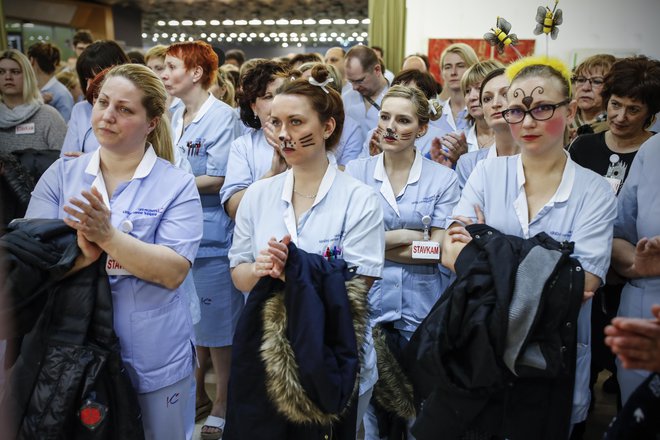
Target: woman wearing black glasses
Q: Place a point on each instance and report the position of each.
(542, 190)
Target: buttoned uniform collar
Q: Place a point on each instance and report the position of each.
(178, 120)
(143, 169)
(560, 196)
(386, 187)
(49, 84)
(446, 111)
(287, 196)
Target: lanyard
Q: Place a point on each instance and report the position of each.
(372, 102)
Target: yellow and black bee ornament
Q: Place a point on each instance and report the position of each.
(547, 21)
(500, 37)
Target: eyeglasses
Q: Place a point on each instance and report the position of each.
(541, 113)
(595, 82)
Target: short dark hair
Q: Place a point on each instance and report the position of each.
(492, 74)
(635, 78)
(254, 83)
(82, 36)
(46, 55)
(306, 58)
(235, 54)
(96, 57)
(423, 80)
(365, 55)
(379, 49)
(136, 57)
(221, 55)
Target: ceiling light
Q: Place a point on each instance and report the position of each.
(203, 35)
(222, 35)
(325, 21)
(339, 21)
(266, 39)
(285, 44)
(209, 39)
(183, 34)
(239, 39)
(187, 23)
(241, 22)
(255, 22)
(312, 34)
(352, 21)
(322, 38)
(269, 22)
(249, 38)
(161, 23)
(228, 22)
(261, 35)
(293, 34)
(296, 22)
(200, 22)
(310, 21)
(144, 35)
(366, 21)
(173, 39)
(213, 35)
(242, 35)
(351, 38)
(333, 34)
(323, 34)
(164, 35)
(175, 34)
(253, 35)
(342, 34)
(272, 35)
(304, 39)
(299, 45)
(360, 39)
(229, 39)
(282, 34)
(282, 22)
(233, 35)
(214, 22)
(365, 34)
(173, 23)
(154, 39)
(276, 39)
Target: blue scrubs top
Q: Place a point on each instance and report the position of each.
(62, 98)
(152, 322)
(346, 215)
(354, 108)
(406, 292)
(205, 142)
(468, 161)
(350, 142)
(79, 133)
(582, 210)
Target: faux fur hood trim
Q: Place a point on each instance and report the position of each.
(282, 379)
(393, 391)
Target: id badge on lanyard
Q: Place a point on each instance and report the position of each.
(426, 249)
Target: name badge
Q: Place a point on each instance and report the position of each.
(25, 128)
(425, 250)
(112, 267)
(614, 183)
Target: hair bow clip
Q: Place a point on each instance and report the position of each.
(322, 85)
(432, 107)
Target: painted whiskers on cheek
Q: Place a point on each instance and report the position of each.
(406, 136)
(391, 134)
(307, 140)
(528, 100)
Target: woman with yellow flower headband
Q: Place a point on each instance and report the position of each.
(542, 190)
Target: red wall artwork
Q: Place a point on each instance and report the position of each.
(484, 51)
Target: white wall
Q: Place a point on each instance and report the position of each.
(620, 27)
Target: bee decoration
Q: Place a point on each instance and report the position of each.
(547, 21)
(500, 37)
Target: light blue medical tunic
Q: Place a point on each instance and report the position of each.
(350, 142)
(345, 215)
(406, 292)
(62, 98)
(250, 157)
(205, 142)
(468, 161)
(161, 205)
(582, 210)
(354, 108)
(639, 216)
(79, 134)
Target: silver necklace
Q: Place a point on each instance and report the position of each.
(305, 195)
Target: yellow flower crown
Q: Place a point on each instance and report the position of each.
(554, 63)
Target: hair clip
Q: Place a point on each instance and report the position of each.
(432, 107)
(322, 85)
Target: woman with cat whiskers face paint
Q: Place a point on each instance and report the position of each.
(415, 194)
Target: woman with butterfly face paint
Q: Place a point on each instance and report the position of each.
(312, 204)
(542, 190)
(416, 195)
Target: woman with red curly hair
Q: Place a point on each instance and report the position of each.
(203, 129)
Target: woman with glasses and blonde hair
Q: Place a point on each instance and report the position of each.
(25, 121)
(542, 190)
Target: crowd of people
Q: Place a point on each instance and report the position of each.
(210, 183)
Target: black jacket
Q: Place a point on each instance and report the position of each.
(295, 354)
(496, 355)
(68, 381)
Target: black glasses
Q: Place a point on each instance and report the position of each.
(541, 113)
(596, 81)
